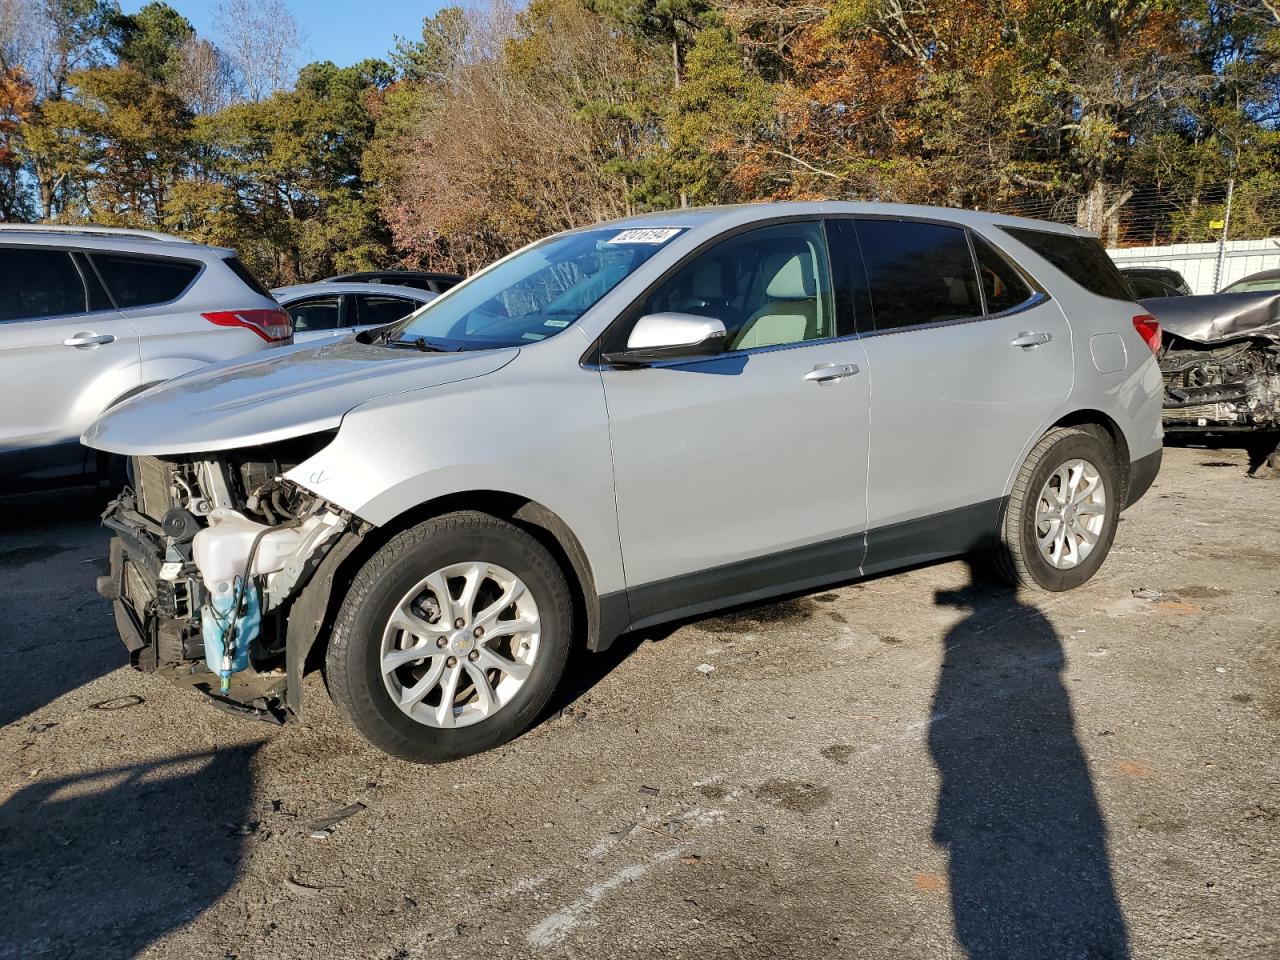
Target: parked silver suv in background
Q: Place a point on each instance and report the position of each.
(621, 425)
(92, 315)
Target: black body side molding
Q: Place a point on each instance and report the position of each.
(948, 534)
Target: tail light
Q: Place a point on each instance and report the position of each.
(1148, 328)
(273, 326)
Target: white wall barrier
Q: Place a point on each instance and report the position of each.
(1196, 261)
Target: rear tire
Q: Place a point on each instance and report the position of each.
(1061, 517)
(487, 669)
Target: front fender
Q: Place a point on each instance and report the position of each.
(541, 438)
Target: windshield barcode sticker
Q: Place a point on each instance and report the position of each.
(647, 235)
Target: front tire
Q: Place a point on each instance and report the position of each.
(451, 639)
(1061, 517)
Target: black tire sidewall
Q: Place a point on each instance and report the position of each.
(1083, 446)
(372, 710)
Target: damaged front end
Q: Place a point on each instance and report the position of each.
(213, 556)
(1220, 362)
(1231, 387)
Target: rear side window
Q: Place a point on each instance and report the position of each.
(375, 310)
(1002, 285)
(250, 281)
(37, 282)
(1081, 258)
(144, 281)
(316, 313)
(918, 272)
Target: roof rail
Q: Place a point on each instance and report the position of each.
(90, 230)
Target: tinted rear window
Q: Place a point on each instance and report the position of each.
(376, 310)
(250, 281)
(1081, 258)
(37, 283)
(918, 272)
(144, 281)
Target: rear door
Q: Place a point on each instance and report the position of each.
(967, 360)
(65, 352)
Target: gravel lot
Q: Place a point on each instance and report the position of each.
(921, 765)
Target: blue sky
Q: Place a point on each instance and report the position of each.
(344, 31)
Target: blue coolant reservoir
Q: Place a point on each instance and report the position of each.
(216, 621)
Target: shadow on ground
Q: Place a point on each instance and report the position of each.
(1030, 876)
(102, 864)
(37, 664)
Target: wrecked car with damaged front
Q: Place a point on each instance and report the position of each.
(619, 426)
(1220, 362)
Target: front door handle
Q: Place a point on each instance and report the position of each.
(1028, 339)
(831, 372)
(88, 340)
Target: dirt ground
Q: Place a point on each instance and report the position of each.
(916, 766)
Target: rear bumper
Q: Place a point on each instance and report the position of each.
(1142, 474)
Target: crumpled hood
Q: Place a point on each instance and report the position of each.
(1217, 317)
(275, 395)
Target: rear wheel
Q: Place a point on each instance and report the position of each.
(1061, 517)
(451, 639)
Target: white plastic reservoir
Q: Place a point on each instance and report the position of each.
(222, 548)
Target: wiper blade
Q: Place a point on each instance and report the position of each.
(420, 343)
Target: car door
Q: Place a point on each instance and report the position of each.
(743, 474)
(318, 317)
(967, 360)
(65, 352)
(376, 309)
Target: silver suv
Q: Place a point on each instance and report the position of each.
(621, 425)
(92, 315)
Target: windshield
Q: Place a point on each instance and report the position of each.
(535, 294)
(1254, 286)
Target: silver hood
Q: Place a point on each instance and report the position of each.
(1218, 317)
(276, 395)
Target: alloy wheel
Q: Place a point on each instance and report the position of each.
(460, 644)
(1070, 513)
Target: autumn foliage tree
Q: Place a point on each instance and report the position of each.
(500, 124)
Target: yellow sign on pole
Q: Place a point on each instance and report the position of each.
(1217, 224)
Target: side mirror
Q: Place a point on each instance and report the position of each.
(669, 336)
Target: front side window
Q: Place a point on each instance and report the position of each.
(37, 282)
(144, 281)
(1081, 258)
(537, 293)
(918, 272)
(770, 287)
(1002, 285)
(375, 310)
(316, 313)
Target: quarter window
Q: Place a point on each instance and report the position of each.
(316, 313)
(918, 272)
(1081, 258)
(144, 281)
(1002, 285)
(770, 287)
(38, 283)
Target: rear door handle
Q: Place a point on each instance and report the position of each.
(1028, 339)
(88, 340)
(831, 372)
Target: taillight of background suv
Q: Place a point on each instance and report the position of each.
(272, 326)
